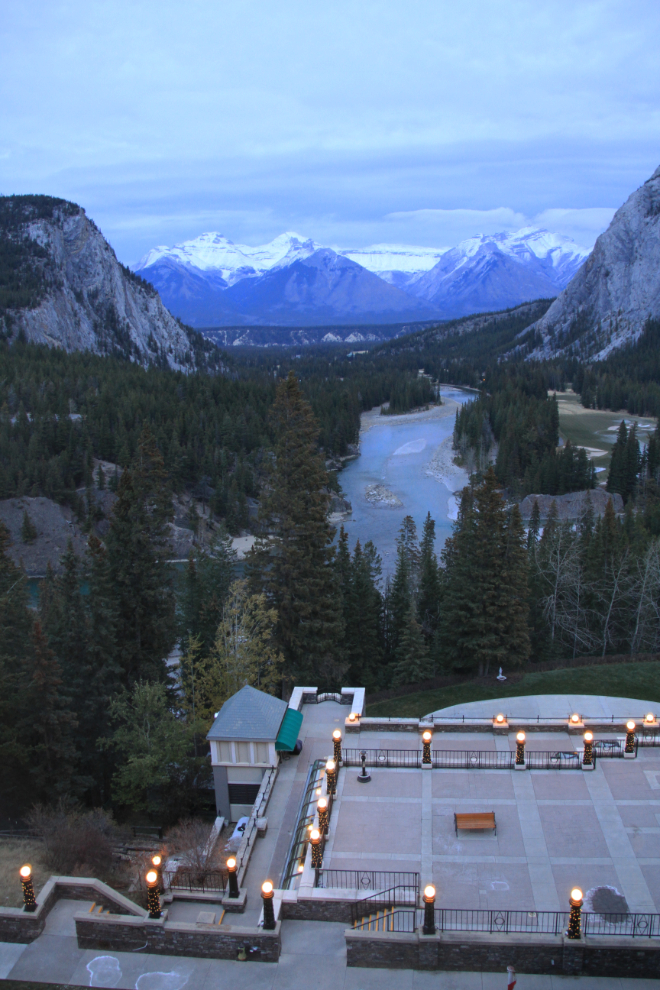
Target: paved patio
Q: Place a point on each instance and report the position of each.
(555, 828)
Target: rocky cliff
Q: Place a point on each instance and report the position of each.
(609, 300)
(61, 285)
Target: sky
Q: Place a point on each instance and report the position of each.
(350, 121)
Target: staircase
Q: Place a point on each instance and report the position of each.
(385, 911)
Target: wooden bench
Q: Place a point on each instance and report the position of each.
(475, 820)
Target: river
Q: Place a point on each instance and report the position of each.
(407, 460)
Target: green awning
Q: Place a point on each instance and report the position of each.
(288, 734)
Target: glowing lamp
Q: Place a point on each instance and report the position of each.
(630, 726)
(352, 717)
(231, 863)
(267, 889)
(429, 892)
(426, 736)
(499, 719)
(429, 910)
(330, 766)
(300, 867)
(152, 877)
(588, 737)
(232, 877)
(576, 894)
(267, 897)
(650, 718)
(336, 734)
(25, 871)
(520, 737)
(575, 718)
(156, 860)
(322, 803)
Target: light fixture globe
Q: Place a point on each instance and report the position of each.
(231, 863)
(427, 736)
(575, 718)
(336, 734)
(266, 888)
(152, 877)
(520, 737)
(588, 737)
(429, 892)
(322, 803)
(630, 726)
(25, 871)
(576, 895)
(650, 718)
(499, 718)
(315, 835)
(330, 766)
(156, 860)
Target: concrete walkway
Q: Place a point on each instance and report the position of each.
(313, 958)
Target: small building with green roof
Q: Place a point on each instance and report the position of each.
(249, 732)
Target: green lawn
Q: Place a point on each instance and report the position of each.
(632, 680)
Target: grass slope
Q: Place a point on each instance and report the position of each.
(634, 680)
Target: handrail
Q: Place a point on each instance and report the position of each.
(385, 898)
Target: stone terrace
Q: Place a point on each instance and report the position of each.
(555, 828)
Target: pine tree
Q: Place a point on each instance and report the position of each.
(534, 526)
(363, 617)
(515, 580)
(47, 725)
(138, 550)
(413, 663)
(28, 529)
(617, 480)
(204, 588)
(428, 600)
(294, 566)
(403, 587)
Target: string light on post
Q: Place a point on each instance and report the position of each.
(324, 818)
(317, 857)
(156, 862)
(232, 876)
(153, 897)
(29, 900)
(588, 754)
(331, 777)
(336, 740)
(427, 759)
(520, 751)
(575, 918)
(429, 910)
(267, 898)
(629, 748)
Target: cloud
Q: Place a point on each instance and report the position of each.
(583, 226)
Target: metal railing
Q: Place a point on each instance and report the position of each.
(196, 880)
(530, 922)
(298, 846)
(376, 880)
(452, 759)
(401, 894)
(341, 699)
(250, 833)
(382, 757)
(648, 737)
(399, 920)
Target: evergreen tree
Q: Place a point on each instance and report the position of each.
(138, 551)
(28, 529)
(363, 617)
(15, 636)
(428, 601)
(404, 584)
(294, 566)
(413, 663)
(484, 607)
(534, 526)
(203, 590)
(47, 725)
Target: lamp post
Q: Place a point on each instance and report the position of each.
(429, 910)
(156, 862)
(575, 919)
(153, 897)
(427, 759)
(267, 898)
(520, 751)
(629, 748)
(588, 754)
(317, 857)
(232, 871)
(29, 901)
(331, 776)
(363, 776)
(336, 740)
(324, 818)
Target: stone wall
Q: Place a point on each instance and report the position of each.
(17, 925)
(164, 937)
(541, 954)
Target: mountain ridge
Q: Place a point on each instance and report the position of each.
(483, 273)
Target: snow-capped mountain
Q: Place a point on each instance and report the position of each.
(495, 271)
(210, 281)
(395, 263)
